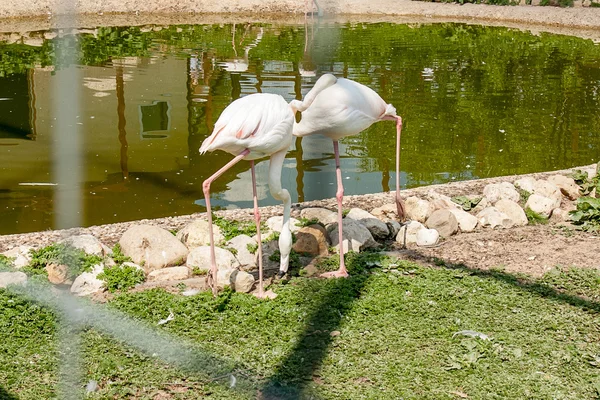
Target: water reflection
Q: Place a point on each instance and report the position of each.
(477, 102)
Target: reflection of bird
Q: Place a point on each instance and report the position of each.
(252, 127)
(338, 108)
(241, 64)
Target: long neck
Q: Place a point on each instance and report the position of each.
(285, 237)
(322, 83)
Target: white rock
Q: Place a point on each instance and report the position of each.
(169, 274)
(567, 186)
(427, 237)
(513, 211)
(466, 221)
(200, 257)
(357, 235)
(560, 215)
(549, 190)
(444, 222)
(527, 184)
(88, 282)
(385, 212)
(591, 172)
(240, 281)
(377, 228)
(323, 215)
(88, 243)
(493, 217)
(276, 223)
(540, 205)
(418, 209)
(133, 265)
(240, 244)
(153, 247)
(12, 278)
(482, 205)
(441, 201)
(20, 256)
(411, 230)
(503, 190)
(196, 234)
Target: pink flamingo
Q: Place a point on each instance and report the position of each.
(253, 127)
(336, 108)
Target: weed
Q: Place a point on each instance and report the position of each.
(345, 212)
(272, 236)
(231, 229)
(76, 260)
(466, 203)
(586, 184)
(587, 214)
(523, 195)
(252, 247)
(173, 232)
(197, 271)
(232, 250)
(121, 277)
(118, 256)
(302, 222)
(5, 262)
(535, 218)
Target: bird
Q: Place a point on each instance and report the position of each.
(340, 107)
(252, 127)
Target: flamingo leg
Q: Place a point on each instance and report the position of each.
(212, 278)
(399, 202)
(341, 272)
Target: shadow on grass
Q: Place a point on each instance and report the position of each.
(529, 284)
(4, 395)
(296, 372)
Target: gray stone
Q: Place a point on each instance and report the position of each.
(411, 230)
(356, 234)
(417, 209)
(240, 244)
(20, 256)
(200, 257)
(276, 223)
(527, 184)
(444, 222)
(12, 278)
(196, 234)
(394, 227)
(152, 247)
(540, 205)
(88, 283)
(466, 221)
(549, 190)
(427, 237)
(513, 211)
(88, 243)
(377, 228)
(503, 190)
(169, 274)
(493, 218)
(567, 186)
(323, 215)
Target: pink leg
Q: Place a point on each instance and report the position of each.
(341, 272)
(212, 279)
(399, 202)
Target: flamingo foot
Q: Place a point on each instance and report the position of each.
(210, 283)
(268, 294)
(340, 273)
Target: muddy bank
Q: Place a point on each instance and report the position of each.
(19, 16)
(110, 234)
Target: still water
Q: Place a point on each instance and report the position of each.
(477, 102)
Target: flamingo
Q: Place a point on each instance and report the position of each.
(339, 107)
(253, 127)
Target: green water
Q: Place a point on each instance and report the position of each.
(477, 102)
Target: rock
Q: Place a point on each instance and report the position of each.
(560, 215)
(12, 278)
(567, 186)
(527, 184)
(310, 270)
(482, 205)
(549, 190)
(20, 256)
(591, 172)
(444, 222)
(377, 228)
(323, 215)
(504, 190)
(312, 239)
(355, 233)
(493, 217)
(88, 282)
(152, 247)
(394, 227)
(417, 209)
(466, 221)
(440, 201)
(169, 274)
(240, 281)
(196, 234)
(540, 205)
(130, 264)
(386, 212)
(240, 243)
(57, 273)
(88, 243)
(411, 230)
(513, 211)
(200, 257)
(427, 237)
(275, 224)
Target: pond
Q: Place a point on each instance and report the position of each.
(477, 102)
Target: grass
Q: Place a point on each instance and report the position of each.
(535, 218)
(231, 229)
(121, 277)
(76, 260)
(387, 332)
